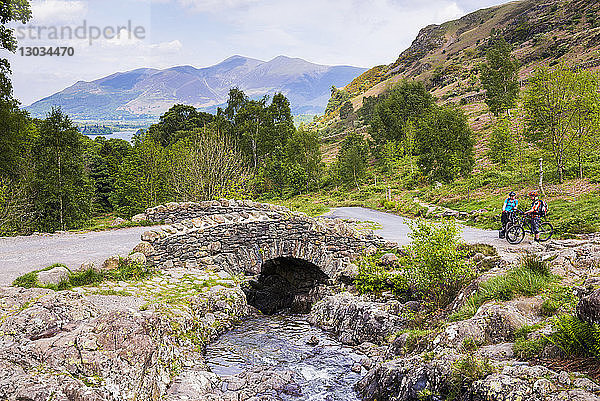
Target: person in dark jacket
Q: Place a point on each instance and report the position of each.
(510, 205)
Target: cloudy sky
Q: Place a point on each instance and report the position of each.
(204, 32)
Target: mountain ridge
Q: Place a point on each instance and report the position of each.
(144, 92)
(446, 57)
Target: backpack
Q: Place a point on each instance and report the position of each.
(543, 210)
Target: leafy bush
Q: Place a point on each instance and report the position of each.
(501, 143)
(576, 337)
(438, 267)
(529, 278)
(373, 278)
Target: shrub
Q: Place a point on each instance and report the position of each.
(373, 278)
(576, 337)
(438, 267)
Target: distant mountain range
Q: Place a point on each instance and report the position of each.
(149, 92)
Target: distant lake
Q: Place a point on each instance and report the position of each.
(125, 134)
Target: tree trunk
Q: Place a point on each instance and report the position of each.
(541, 182)
(60, 193)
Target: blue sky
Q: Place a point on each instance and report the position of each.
(204, 32)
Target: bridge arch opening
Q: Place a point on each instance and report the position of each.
(286, 283)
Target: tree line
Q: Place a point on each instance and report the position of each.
(52, 177)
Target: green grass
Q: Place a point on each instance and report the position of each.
(125, 271)
(30, 280)
(526, 348)
(529, 278)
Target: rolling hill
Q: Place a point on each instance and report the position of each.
(446, 57)
(150, 92)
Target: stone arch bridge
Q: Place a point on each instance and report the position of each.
(292, 255)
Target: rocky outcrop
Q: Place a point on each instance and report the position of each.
(59, 345)
(354, 320)
(493, 323)
(407, 378)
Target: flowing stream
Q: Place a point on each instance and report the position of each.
(323, 371)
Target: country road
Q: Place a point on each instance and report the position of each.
(395, 228)
(20, 255)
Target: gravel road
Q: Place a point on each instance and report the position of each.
(395, 228)
(20, 255)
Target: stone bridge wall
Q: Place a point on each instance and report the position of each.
(240, 242)
(176, 212)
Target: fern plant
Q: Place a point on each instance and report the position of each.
(576, 337)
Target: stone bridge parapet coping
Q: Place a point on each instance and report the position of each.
(241, 241)
(177, 212)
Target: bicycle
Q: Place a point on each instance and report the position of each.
(519, 222)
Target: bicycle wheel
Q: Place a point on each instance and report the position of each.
(515, 234)
(546, 231)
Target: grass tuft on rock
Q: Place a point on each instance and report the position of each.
(529, 278)
(127, 270)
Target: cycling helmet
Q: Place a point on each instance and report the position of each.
(512, 193)
(533, 193)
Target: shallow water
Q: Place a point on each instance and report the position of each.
(323, 371)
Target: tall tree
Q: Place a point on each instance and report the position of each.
(142, 179)
(303, 149)
(176, 123)
(352, 159)
(444, 144)
(499, 76)
(61, 186)
(586, 122)
(407, 102)
(204, 166)
(551, 108)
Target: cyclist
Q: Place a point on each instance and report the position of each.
(535, 214)
(510, 205)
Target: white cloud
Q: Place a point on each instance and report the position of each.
(364, 32)
(57, 11)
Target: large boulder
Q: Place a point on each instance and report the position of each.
(354, 320)
(137, 258)
(53, 276)
(588, 308)
(406, 378)
(494, 323)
